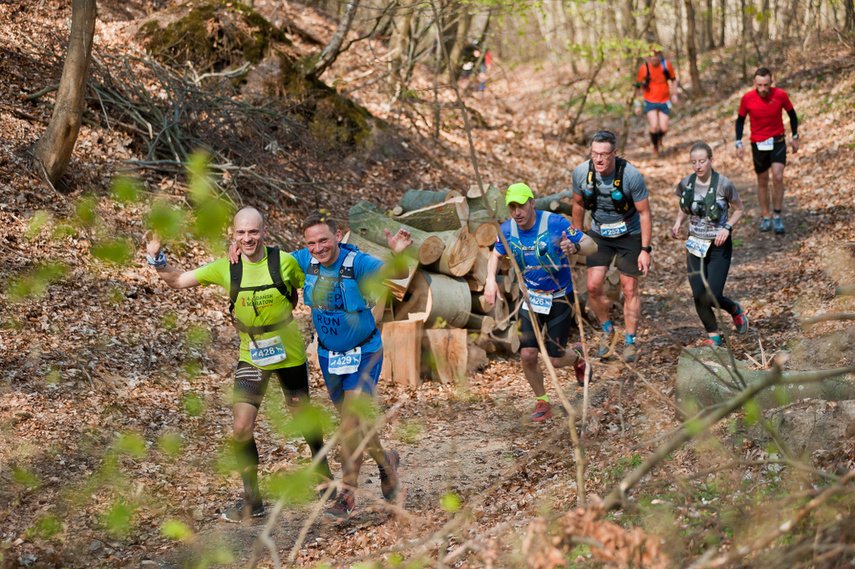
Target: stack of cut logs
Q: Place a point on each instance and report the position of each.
(438, 318)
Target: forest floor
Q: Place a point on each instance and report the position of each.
(102, 354)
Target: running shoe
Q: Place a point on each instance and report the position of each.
(740, 320)
(778, 224)
(244, 511)
(766, 224)
(711, 342)
(390, 488)
(606, 340)
(580, 366)
(542, 411)
(630, 352)
(343, 506)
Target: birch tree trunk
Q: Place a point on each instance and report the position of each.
(333, 48)
(53, 150)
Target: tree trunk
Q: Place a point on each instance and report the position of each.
(399, 44)
(482, 226)
(449, 350)
(723, 22)
(417, 199)
(562, 202)
(398, 287)
(53, 150)
(477, 276)
(691, 48)
(709, 36)
(705, 377)
(436, 298)
(495, 198)
(459, 254)
(333, 48)
(402, 343)
(464, 22)
(369, 222)
(444, 216)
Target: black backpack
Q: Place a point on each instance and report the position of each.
(664, 71)
(275, 268)
(623, 205)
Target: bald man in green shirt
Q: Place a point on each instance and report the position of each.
(262, 291)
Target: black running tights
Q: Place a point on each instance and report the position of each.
(715, 267)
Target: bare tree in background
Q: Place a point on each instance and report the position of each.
(333, 48)
(53, 150)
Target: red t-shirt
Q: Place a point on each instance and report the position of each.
(765, 114)
(658, 90)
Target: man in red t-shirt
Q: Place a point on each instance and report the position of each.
(768, 143)
(654, 80)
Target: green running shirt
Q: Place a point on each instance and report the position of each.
(272, 307)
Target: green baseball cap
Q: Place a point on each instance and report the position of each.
(518, 193)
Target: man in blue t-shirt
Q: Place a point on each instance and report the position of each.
(614, 191)
(541, 243)
(350, 350)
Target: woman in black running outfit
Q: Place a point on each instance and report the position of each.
(713, 207)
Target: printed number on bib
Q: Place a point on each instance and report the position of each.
(541, 302)
(698, 247)
(345, 363)
(267, 352)
(613, 229)
(766, 145)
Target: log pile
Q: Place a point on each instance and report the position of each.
(438, 323)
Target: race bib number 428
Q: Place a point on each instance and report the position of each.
(267, 352)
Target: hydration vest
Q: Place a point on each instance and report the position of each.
(708, 206)
(274, 267)
(665, 72)
(354, 301)
(621, 201)
(543, 249)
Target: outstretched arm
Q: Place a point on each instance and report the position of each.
(170, 275)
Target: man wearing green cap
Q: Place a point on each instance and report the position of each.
(614, 191)
(541, 243)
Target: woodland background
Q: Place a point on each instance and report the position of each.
(114, 422)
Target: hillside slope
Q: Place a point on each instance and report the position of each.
(107, 372)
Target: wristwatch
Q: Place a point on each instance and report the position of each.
(728, 227)
(796, 136)
(647, 249)
(739, 144)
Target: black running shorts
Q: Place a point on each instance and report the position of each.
(623, 249)
(251, 383)
(558, 323)
(763, 159)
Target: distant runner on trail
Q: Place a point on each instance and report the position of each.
(614, 191)
(768, 143)
(541, 243)
(350, 350)
(706, 198)
(654, 81)
(270, 341)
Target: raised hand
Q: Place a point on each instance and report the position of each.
(399, 241)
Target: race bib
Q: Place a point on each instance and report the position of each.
(267, 352)
(345, 363)
(541, 302)
(698, 247)
(613, 229)
(766, 145)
